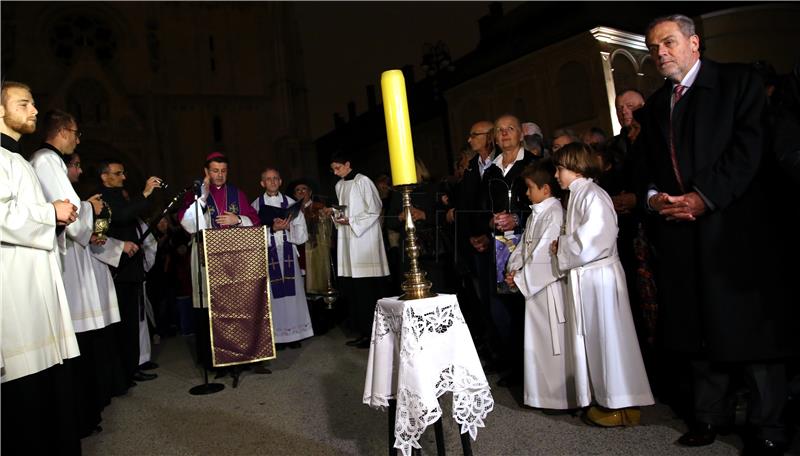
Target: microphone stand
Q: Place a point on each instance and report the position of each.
(205, 388)
(154, 221)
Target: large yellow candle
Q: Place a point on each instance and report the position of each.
(398, 128)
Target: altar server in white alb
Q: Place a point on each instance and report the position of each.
(287, 229)
(37, 339)
(553, 366)
(361, 260)
(588, 253)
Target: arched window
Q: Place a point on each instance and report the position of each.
(624, 71)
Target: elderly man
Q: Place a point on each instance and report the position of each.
(619, 179)
(702, 140)
(473, 243)
(37, 338)
(626, 103)
(287, 229)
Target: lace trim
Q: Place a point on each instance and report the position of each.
(472, 401)
(472, 398)
(411, 420)
(437, 321)
(386, 324)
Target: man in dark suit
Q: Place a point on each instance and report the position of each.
(472, 243)
(719, 302)
(129, 274)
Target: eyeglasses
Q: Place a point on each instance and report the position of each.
(508, 129)
(76, 165)
(475, 134)
(77, 132)
(116, 173)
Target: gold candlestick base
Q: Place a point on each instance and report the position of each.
(416, 286)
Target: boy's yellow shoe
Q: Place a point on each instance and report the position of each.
(601, 416)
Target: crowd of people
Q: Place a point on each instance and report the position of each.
(599, 273)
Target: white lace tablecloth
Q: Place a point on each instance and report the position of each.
(421, 349)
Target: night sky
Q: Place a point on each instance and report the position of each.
(347, 45)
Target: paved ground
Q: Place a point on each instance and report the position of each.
(311, 405)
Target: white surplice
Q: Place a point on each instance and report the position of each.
(103, 256)
(80, 283)
(52, 173)
(554, 361)
(290, 318)
(37, 331)
(360, 251)
(150, 248)
(86, 304)
(599, 294)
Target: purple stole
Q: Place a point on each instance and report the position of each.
(231, 194)
(281, 285)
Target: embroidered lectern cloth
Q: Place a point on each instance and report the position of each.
(239, 297)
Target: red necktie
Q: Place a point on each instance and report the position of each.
(677, 93)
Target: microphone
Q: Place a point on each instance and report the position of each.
(197, 184)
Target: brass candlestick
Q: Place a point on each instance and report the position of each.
(416, 286)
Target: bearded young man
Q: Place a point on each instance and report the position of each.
(37, 338)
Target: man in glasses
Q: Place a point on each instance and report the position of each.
(57, 167)
(472, 241)
(61, 138)
(129, 274)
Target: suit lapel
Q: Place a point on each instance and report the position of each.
(695, 113)
(703, 106)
